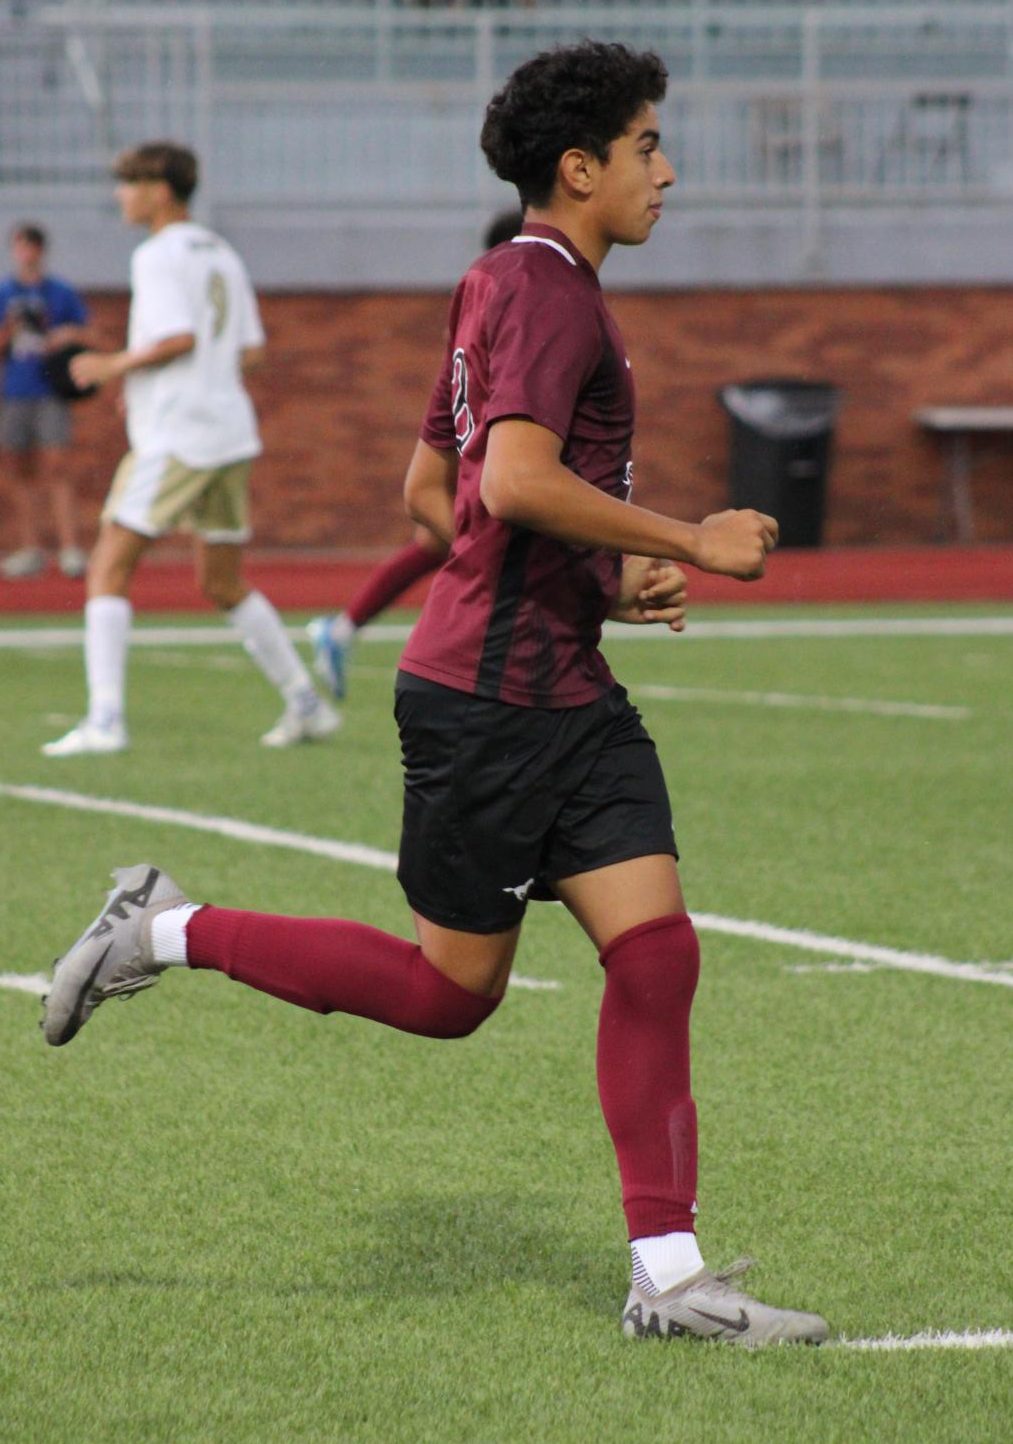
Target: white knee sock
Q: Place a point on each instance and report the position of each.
(106, 637)
(661, 1262)
(267, 642)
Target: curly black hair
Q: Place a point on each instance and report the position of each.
(581, 96)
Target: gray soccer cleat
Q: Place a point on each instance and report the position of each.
(710, 1307)
(112, 958)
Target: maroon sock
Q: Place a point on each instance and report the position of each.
(643, 1071)
(392, 577)
(333, 966)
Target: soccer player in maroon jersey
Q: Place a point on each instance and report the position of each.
(527, 771)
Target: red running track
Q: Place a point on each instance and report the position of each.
(297, 582)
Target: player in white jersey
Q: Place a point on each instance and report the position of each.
(194, 328)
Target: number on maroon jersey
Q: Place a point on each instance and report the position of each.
(464, 422)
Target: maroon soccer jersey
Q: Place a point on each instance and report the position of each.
(513, 615)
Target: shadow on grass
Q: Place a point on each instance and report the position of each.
(418, 1246)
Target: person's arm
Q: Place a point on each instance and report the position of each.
(96, 368)
(525, 483)
(70, 334)
(429, 489)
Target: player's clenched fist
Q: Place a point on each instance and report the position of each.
(736, 543)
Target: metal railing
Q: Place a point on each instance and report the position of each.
(340, 105)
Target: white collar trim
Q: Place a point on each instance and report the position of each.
(543, 241)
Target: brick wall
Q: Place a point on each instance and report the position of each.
(349, 375)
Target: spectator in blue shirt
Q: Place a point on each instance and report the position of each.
(39, 316)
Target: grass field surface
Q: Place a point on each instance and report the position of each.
(224, 1219)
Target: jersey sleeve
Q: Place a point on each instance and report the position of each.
(438, 427)
(162, 300)
(438, 430)
(542, 351)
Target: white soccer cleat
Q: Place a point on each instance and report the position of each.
(302, 723)
(112, 957)
(708, 1306)
(88, 737)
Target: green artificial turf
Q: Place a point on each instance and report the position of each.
(224, 1219)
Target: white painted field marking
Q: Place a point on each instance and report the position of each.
(872, 705)
(39, 638)
(387, 862)
(832, 967)
(36, 983)
(858, 952)
(988, 1339)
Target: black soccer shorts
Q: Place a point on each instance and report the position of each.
(501, 800)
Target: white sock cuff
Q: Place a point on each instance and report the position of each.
(249, 608)
(168, 933)
(661, 1262)
(109, 607)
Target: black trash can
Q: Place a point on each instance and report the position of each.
(781, 435)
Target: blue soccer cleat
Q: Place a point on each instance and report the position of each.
(329, 654)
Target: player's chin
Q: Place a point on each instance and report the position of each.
(638, 234)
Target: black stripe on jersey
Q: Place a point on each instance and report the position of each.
(499, 632)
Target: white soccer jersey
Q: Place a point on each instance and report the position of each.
(185, 279)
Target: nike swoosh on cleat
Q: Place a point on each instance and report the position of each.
(737, 1326)
(74, 1021)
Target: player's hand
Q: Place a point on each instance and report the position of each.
(736, 543)
(651, 590)
(95, 368)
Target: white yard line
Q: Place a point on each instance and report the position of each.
(40, 638)
(36, 983)
(854, 951)
(872, 705)
(971, 1339)
(363, 856)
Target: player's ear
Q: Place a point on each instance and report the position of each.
(576, 172)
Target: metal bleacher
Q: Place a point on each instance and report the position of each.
(338, 113)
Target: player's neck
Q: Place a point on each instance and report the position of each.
(577, 225)
(29, 275)
(169, 215)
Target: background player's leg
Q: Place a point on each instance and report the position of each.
(422, 555)
(220, 575)
(635, 914)
(63, 500)
(107, 616)
(332, 636)
(29, 559)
